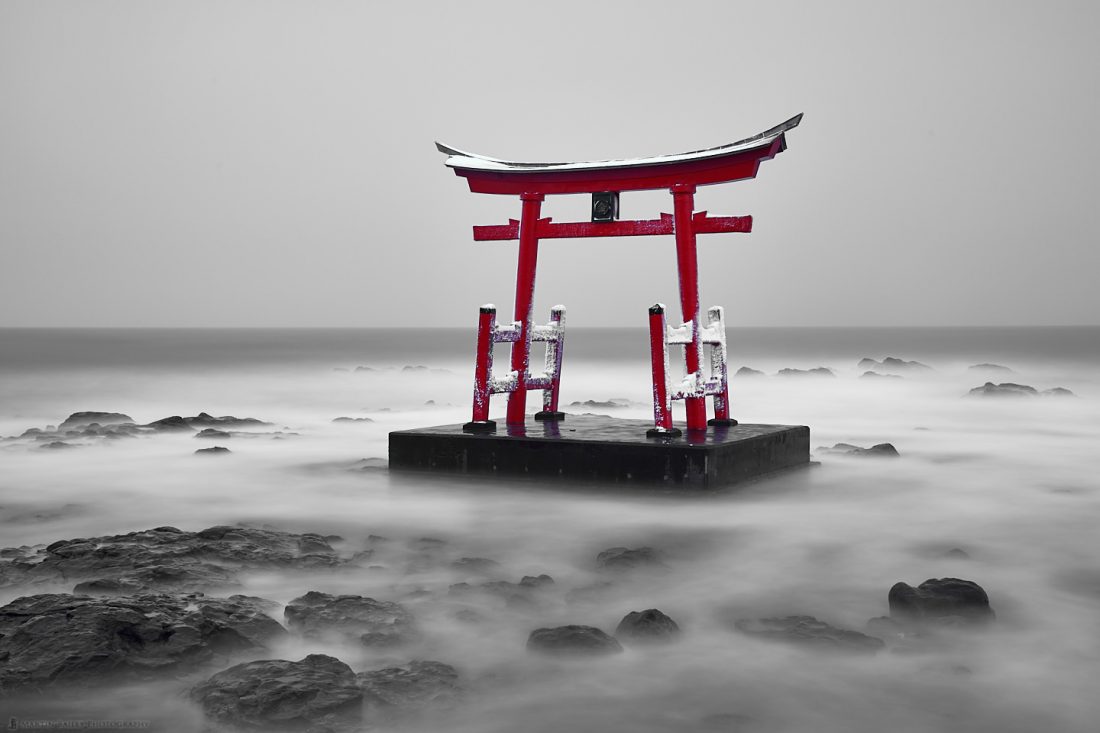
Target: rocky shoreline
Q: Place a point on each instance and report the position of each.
(158, 605)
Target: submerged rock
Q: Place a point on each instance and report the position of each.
(572, 639)
(747, 372)
(623, 558)
(396, 691)
(205, 420)
(317, 693)
(940, 600)
(881, 450)
(375, 623)
(1057, 392)
(647, 626)
(476, 565)
(1006, 389)
(876, 375)
(808, 631)
(84, 419)
(892, 363)
(71, 639)
(609, 404)
(214, 451)
(815, 372)
(990, 368)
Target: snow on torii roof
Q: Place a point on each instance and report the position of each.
(720, 164)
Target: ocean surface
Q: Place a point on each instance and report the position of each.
(1012, 482)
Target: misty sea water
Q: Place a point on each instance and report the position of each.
(1011, 482)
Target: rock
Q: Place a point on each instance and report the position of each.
(72, 639)
(1006, 389)
(83, 419)
(183, 578)
(476, 565)
(881, 450)
(990, 368)
(572, 639)
(943, 600)
(375, 623)
(533, 581)
(57, 445)
(216, 450)
(204, 420)
(212, 433)
(747, 372)
(808, 631)
(647, 626)
(876, 375)
(415, 368)
(316, 694)
(396, 691)
(352, 419)
(1057, 392)
(816, 372)
(170, 424)
(622, 558)
(956, 553)
(891, 363)
(167, 558)
(609, 404)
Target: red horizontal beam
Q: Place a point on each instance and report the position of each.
(735, 166)
(546, 229)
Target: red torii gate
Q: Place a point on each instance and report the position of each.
(532, 182)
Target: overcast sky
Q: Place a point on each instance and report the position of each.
(229, 163)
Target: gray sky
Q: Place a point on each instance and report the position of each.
(229, 163)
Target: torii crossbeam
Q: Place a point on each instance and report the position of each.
(681, 174)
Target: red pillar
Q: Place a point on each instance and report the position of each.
(480, 421)
(658, 353)
(525, 296)
(683, 198)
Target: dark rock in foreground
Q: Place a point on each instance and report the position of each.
(940, 600)
(69, 639)
(815, 372)
(572, 639)
(623, 558)
(1006, 389)
(396, 691)
(747, 372)
(375, 623)
(214, 451)
(808, 631)
(84, 419)
(167, 558)
(647, 626)
(881, 450)
(318, 693)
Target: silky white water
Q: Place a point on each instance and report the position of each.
(1012, 482)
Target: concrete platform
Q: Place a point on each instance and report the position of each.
(605, 449)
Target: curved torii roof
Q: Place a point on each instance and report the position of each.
(730, 162)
